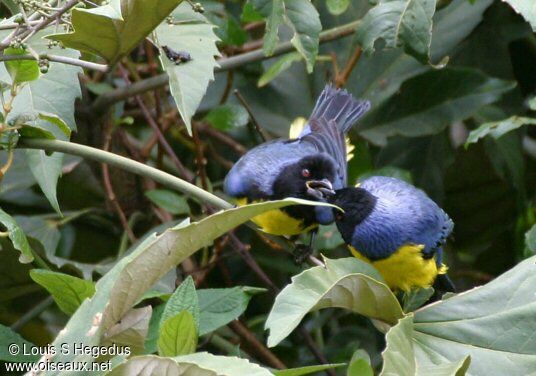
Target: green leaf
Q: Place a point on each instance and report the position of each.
(301, 16)
(152, 331)
(278, 67)
(178, 335)
(527, 9)
(55, 120)
(21, 70)
(29, 131)
(46, 169)
(399, 357)
(300, 371)
(131, 331)
(199, 364)
(219, 307)
(169, 201)
(496, 332)
(530, 240)
(68, 292)
(227, 116)
(416, 298)
(48, 103)
(428, 103)
(497, 129)
(9, 337)
(188, 81)
(406, 23)
(17, 237)
(337, 7)
(345, 283)
(360, 367)
(113, 30)
(249, 14)
(183, 299)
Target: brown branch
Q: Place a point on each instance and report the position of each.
(255, 346)
(222, 137)
(184, 172)
(110, 193)
(254, 122)
(342, 78)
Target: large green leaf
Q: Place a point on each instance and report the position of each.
(121, 287)
(199, 364)
(406, 23)
(497, 129)
(113, 30)
(183, 299)
(346, 283)
(177, 335)
(170, 248)
(428, 103)
(10, 341)
(17, 237)
(68, 292)
(188, 81)
(526, 8)
(46, 169)
(493, 324)
(219, 307)
(399, 356)
(303, 19)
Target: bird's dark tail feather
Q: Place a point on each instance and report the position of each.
(340, 106)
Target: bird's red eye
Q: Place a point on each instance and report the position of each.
(305, 173)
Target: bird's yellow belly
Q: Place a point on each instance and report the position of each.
(277, 222)
(406, 268)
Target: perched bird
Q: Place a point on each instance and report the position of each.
(308, 167)
(398, 229)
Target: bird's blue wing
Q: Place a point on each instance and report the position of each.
(403, 214)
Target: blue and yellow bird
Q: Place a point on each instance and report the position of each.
(398, 229)
(308, 167)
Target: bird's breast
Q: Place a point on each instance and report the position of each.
(406, 268)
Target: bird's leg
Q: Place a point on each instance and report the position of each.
(303, 251)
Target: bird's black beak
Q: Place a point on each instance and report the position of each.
(320, 189)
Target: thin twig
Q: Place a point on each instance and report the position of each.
(255, 346)
(254, 121)
(185, 173)
(243, 250)
(110, 193)
(222, 137)
(58, 59)
(342, 78)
